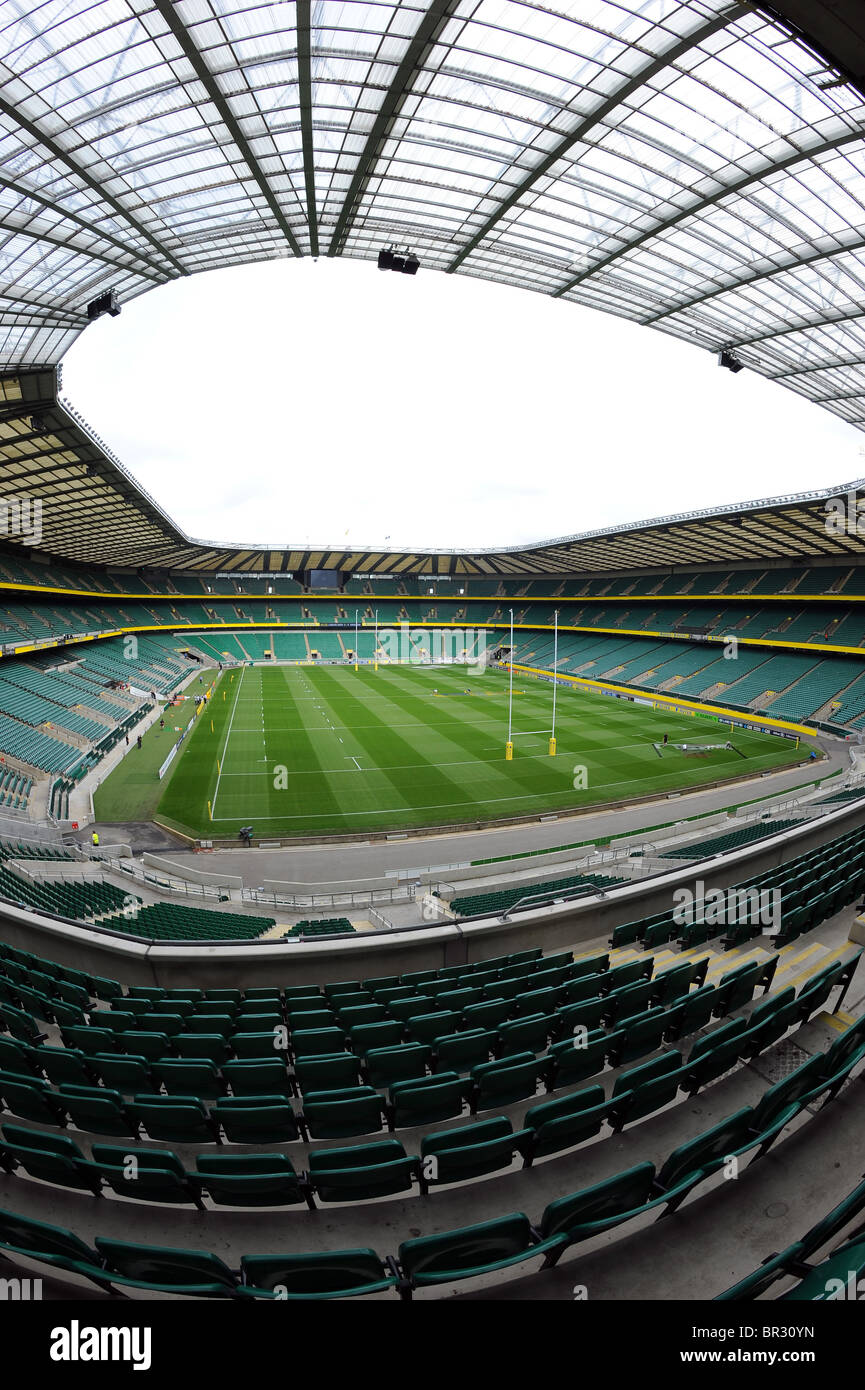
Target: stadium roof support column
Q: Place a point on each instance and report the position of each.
(304, 76)
(426, 35)
(632, 84)
(205, 77)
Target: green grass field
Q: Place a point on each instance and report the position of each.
(309, 750)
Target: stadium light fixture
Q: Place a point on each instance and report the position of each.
(390, 259)
(730, 361)
(106, 303)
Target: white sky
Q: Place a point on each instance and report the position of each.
(299, 402)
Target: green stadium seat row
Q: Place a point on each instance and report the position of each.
(735, 839)
(486, 904)
(814, 579)
(383, 1168)
(325, 926)
(176, 922)
(341, 1110)
(811, 888)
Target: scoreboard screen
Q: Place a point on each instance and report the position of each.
(324, 579)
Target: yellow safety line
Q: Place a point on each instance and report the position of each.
(830, 959)
(840, 1022)
(794, 961)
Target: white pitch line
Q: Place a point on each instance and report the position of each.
(227, 737)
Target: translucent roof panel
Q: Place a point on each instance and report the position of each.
(688, 164)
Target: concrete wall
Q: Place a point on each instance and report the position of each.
(554, 928)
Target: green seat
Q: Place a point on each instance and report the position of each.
(428, 1101)
(583, 987)
(145, 1044)
(844, 1054)
(768, 1021)
(461, 1051)
(307, 1020)
(151, 1175)
(489, 1013)
(782, 1101)
(97, 1110)
(247, 1046)
(326, 1073)
(64, 1064)
(362, 1172)
(590, 965)
(412, 1006)
(251, 1180)
(128, 1075)
(32, 1100)
(91, 1039)
(20, 1059)
(53, 1158)
(560, 1124)
(407, 1062)
(627, 933)
(426, 1027)
(468, 1252)
(576, 1058)
(630, 1000)
(454, 1155)
(638, 1035)
(355, 1014)
(585, 1013)
(257, 1076)
(175, 1119)
(202, 1047)
(646, 1088)
(597, 1208)
(172, 1024)
(319, 1042)
(182, 1077)
(632, 972)
(534, 1002)
(20, 1024)
(366, 1036)
(836, 1278)
(325, 1274)
(705, 1154)
(163, 1270)
(216, 1024)
(503, 1082)
(342, 1114)
(529, 1034)
(52, 1245)
(257, 1120)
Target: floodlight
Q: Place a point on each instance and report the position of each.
(731, 362)
(106, 303)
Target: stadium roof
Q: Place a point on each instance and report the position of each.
(94, 512)
(695, 165)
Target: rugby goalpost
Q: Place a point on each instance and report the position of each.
(525, 733)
